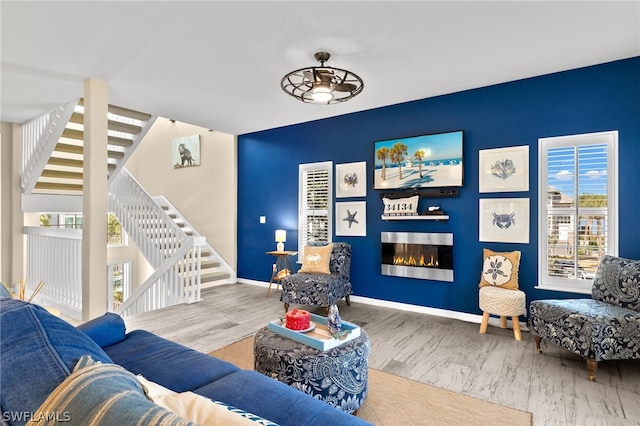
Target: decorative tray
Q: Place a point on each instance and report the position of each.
(319, 337)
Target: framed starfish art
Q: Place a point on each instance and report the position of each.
(351, 218)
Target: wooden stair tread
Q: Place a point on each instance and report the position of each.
(61, 174)
(124, 112)
(205, 278)
(68, 148)
(67, 162)
(58, 186)
(116, 141)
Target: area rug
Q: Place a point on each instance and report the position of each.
(395, 400)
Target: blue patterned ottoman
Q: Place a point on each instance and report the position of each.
(337, 376)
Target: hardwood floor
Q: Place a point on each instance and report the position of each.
(447, 353)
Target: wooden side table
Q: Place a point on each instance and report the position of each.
(282, 269)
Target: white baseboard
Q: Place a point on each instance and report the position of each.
(445, 313)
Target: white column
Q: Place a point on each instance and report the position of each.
(11, 218)
(94, 202)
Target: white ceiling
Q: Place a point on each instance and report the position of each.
(218, 64)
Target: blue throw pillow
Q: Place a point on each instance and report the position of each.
(105, 330)
(38, 351)
(4, 292)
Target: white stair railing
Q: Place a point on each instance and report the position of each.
(162, 200)
(162, 242)
(54, 255)
(168, 285)
(39, 138)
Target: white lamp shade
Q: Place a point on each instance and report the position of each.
(281, 236)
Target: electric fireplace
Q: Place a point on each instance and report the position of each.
(427, 256)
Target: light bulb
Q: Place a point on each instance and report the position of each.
(321, 94)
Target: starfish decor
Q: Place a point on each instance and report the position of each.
(351, 218)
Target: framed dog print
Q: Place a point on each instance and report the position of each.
(504, 169)
(351, 180)
(186, 152)
(504, 220)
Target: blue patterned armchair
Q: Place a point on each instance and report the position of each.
(321, 289)
(605, 327)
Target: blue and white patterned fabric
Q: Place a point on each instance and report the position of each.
(338, 376)
(605, 327)
(317, 289)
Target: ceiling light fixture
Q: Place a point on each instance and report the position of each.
(322, 85)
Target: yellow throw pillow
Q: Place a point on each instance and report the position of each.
(316, 259)
(500, 269)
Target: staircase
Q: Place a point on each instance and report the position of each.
(53, 173)
(57, 169)
(213, 268)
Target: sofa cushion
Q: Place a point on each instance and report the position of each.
(103, 394)
(167, 363)
(38, 351)
(198, 408)
(290, 407)
(105, 330)
(617, 281)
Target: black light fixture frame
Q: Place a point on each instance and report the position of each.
(297, 83)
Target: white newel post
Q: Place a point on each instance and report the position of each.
(94, 203)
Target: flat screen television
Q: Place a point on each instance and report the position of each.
(427, 161)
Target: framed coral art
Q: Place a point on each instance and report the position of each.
(504, 169)
(351, 218)
(351, 180)
(504, 220)
(186, 152)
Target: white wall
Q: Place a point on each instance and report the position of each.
(207, 194)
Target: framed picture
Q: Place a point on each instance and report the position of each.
(351, 180)
(351, 218)
(427, 161)
(504, 169)
(186, 152)
(504, 220)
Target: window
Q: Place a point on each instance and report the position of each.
(115, 236)
(119, 282)
(315, 195)
(577, 199)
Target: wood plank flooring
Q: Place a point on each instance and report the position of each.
(443, 352)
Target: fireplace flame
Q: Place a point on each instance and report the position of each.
(412, 261)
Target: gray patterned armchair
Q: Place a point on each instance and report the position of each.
(320, 289)
(605, 327)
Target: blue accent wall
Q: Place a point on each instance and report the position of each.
(592, 99)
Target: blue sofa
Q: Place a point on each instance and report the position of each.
(40, 351)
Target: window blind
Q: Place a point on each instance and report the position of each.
(577, 198)
(315, 204)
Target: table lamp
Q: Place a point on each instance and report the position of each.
(281, 238)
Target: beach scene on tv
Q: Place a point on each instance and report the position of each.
(419, 162)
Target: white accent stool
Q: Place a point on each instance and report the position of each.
(502, 302)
